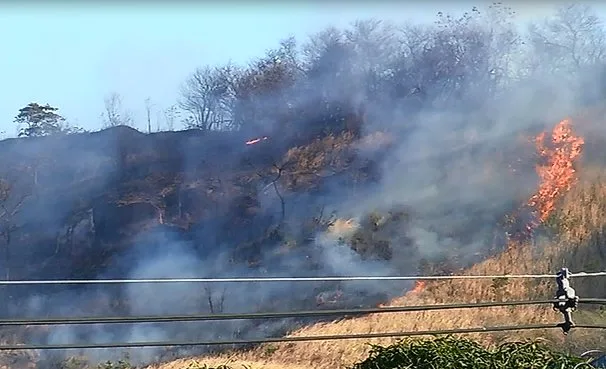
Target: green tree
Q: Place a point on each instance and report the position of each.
(39, 120)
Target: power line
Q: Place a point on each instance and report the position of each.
(288, 339)
(291, 279)
(275, 315)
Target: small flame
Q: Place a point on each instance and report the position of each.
(419, 287)
(256, 140)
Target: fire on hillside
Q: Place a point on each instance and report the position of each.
(256, 140)
(557, 155)
(555, 169)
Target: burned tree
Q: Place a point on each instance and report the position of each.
(216, 300)
(13, 195)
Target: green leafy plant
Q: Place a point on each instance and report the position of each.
(457, 353)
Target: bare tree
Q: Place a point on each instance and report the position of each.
(114, 114)
(272, 178)
(148, 109)
(171, 115)
(159, 115)
(216, 301)
(506, 43)
(573, 38)
(13, 195)
(374, 43)
(265, 90)
(207, 97)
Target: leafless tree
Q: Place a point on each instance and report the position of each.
(171, 115)
(148, 109)
(374, 43)
(278, 170)
(575, 37)
(272, 177)
(13, 195)
(159, 118)
(207, 97)
(318, 43)
(114, 115)
(265, 92)
(505, 42)
(216, 301)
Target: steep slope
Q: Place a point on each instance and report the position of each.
(164, 206)
(584, 209)
(575, 224)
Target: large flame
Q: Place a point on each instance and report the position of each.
(556, 170)
(557, 155)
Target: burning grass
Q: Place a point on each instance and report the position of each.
(579, 212)
(579, 250)
(556, 172)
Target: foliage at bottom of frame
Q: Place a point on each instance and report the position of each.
(445, 353)
(458, 353)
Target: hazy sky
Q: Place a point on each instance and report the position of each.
(72, 56)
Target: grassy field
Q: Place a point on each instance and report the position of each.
(444, 353)
(580, 221)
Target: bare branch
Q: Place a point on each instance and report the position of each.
(207, 96)
(114, 114)
(572, 39)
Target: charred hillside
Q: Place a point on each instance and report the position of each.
(91, 195)
(366, 151)
(121, 204)
(76, 201)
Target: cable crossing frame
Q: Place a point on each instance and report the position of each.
(566, 301)
(292, 279)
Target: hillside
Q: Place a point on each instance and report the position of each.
(576, 219)
(455, 147)
(577, 225)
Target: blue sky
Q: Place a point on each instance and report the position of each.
(72, 56)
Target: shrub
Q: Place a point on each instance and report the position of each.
(456, 353)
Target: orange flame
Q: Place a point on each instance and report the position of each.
(256, 140)
(556, 171)
(419, 287)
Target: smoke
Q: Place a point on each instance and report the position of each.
(444, 182)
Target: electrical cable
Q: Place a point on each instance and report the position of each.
(287, 339)
(292, 279)
(276, 315)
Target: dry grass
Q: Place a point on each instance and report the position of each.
(214, 362)
(582, 220)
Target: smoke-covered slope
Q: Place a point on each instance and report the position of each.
(371, 151)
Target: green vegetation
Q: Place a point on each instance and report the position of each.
(443, 353)
(456, 353)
